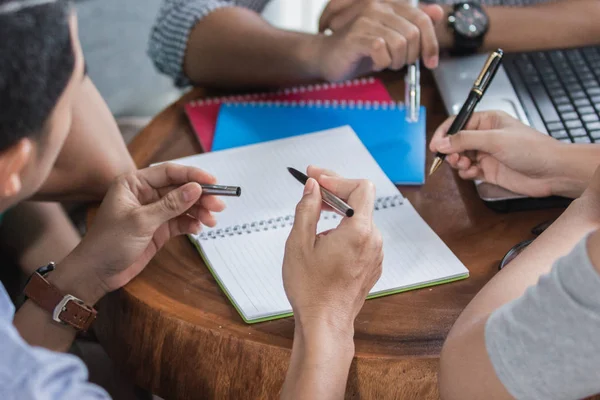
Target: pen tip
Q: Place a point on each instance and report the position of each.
(436, 164)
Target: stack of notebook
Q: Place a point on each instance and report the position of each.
(245, 251)
(364, 105)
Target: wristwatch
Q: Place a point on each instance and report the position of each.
(64, 308)
(469, 23)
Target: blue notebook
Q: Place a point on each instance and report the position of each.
(397, 146)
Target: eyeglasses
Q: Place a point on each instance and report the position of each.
(519, 247)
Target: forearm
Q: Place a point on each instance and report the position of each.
(320, 362)
(573, 167)
(464, 356)
(560, 24)
(234, 46)
(580, 218)
(93, 155)
(507, 350)
(36, 325)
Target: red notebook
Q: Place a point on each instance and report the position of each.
(203, 113)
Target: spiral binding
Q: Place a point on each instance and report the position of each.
(343, 104)
(381, 203)
(296, 89)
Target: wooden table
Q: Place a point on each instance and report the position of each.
(176, 333)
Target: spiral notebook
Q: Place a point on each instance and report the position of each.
(397, 146)
(245, 252)
(203, 113)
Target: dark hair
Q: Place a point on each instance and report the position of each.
(36, 64)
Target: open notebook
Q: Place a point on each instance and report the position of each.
(245, 251)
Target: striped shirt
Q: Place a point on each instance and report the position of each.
(176, 18)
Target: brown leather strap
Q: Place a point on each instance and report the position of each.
(48, 297)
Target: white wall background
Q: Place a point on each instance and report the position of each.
(298, 15)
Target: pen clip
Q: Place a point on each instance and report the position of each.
(488, 72)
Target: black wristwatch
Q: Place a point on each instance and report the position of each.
(469, 23)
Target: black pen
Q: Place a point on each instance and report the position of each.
(477, 91)
(329, 198)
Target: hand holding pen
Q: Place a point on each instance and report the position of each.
(333, 201)
(477, 91)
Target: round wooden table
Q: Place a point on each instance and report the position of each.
(176, 333)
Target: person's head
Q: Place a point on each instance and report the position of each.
(41, 69)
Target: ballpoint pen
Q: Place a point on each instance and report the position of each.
(329, 198)
(412, 86)
(477, 91)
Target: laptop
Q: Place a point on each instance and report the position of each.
(556, 92)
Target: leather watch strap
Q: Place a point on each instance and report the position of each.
(63, 308)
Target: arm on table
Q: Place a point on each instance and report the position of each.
(560, 24)
(93, 155)
(215, 43)
(466, 371)
(227, 43)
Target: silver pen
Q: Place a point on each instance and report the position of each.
(412, 87)
(220, 190)
(328, 198)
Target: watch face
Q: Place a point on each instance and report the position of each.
(469, 20)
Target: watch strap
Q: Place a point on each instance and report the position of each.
(66, 309)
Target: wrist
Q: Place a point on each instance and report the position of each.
(74, 276)
(321, 339)
(330, 322)
(307, 55)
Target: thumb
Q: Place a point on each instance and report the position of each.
(484, 141)
(173, 204)
(434, 11)
(308, 212)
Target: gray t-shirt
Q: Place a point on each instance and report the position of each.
(546, 344)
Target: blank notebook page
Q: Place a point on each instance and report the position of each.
(245, 251)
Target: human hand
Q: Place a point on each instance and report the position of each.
(327, 276)
(496, 148)
(374, 35)
(140, 213)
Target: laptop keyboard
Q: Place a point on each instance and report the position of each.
(565, 88)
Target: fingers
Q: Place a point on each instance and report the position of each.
(168, 174)
(379, 53)
(316, 172)
(173, 204)
(211, 203)
(203, 215)
(474, 172)
(362, 200)
(407, 32)
(479, 121)
(184, 225)
(430, 48)
(339, 13)
(307, 216)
